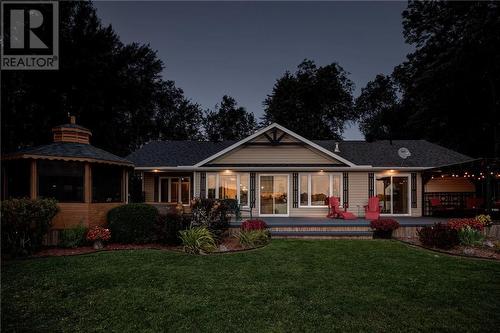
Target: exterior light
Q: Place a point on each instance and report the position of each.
(156, 170)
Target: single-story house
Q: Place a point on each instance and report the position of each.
(276, 172)
(86, 181)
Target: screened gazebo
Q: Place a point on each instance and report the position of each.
(85, 180)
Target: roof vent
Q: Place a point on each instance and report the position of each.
(337, 149)
(71, 132)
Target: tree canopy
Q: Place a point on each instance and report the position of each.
(228, 121)
(114, 89)
(449, 84)
(315, 102)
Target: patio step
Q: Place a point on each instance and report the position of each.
(319, 228)
(323, 234)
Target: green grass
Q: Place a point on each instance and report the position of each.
(302, 286)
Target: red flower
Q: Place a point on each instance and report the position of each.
(98, 233)
(384, 224)
(253, 225)
(459, 224)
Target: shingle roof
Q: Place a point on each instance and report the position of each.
(71, 150)
(377, 153)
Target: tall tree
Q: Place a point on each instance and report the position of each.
(450, 83)
(116, 90)
(228, 121)
(379, 110)
(315, 102)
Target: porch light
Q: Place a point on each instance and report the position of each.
(156, 170)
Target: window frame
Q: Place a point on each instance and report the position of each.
(179, 190)
(331, 176)
(238, 186)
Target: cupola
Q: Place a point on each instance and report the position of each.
(71, 132)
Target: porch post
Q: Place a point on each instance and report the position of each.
(34, 180)
(87, 186)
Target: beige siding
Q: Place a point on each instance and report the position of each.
(449, 184)
(275, 154)
(149, 182)
(358, 192)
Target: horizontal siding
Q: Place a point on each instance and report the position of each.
(358, 192)
(275, 154)
(449, 185)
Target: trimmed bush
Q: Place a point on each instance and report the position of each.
(253, 225)
(133, 223)
(24, 223)
(438, 235)
(198, 240)
(73, 237)
(254, 238)
(168, 226)
(383, 228)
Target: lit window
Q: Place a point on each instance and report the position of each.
(244, 186)
(320, 189)
(304, 190)
(227, 187)
(315, 188)
(211, 186)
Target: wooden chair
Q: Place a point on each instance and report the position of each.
(334, 210)
(372, 210)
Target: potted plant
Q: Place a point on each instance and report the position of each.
(383, 228)
(98, 235)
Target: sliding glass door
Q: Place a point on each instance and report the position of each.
(274, 195)
(394, 194)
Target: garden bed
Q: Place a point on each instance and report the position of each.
(483, 252)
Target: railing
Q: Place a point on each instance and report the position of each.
(450, 200)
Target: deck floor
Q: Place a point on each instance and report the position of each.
(324, 221)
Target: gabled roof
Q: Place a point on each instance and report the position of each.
(383, 153)
(69, 151)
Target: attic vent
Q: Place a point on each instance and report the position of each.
(337, 149)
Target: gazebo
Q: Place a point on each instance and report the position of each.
(86, 181)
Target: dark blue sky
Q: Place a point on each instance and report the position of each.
(241, 48)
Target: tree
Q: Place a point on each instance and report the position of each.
(450, 83)
(379, 110)
(228, 121)
(315, 102)
(115, 90)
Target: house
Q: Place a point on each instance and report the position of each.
(86, 181)
(276, 172)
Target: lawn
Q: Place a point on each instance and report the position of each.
(302, 286)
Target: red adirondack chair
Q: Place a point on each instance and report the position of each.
(336, 212)
(372, 210)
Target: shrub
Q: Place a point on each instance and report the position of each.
(485, 219)
(438, 235)
(212, 214)
(98, 233)
(254, 238)
(198, 240)
(253, 225)
(133, 223)
(168, 226)
(469, 236)
(459, 224)
(24, 223)
(73, 237)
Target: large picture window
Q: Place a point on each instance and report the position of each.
(107, 183)
(229, 186)
(61, 180)
(314, 188)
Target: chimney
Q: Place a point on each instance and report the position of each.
(337, 150)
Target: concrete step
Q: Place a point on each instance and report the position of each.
(323, 234)
(322, 228)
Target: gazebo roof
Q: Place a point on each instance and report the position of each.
(69, 151)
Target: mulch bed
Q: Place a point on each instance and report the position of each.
(482, 252)
(230, 244)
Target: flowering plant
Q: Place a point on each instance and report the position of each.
(253, 225)
(97, 233)
(384, 224)
(485, 219)
(459, 224)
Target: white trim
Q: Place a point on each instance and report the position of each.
(287, 194)
(238, 185)
(331, 176)
(287, 168)
(392, 188)
(264, 130)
